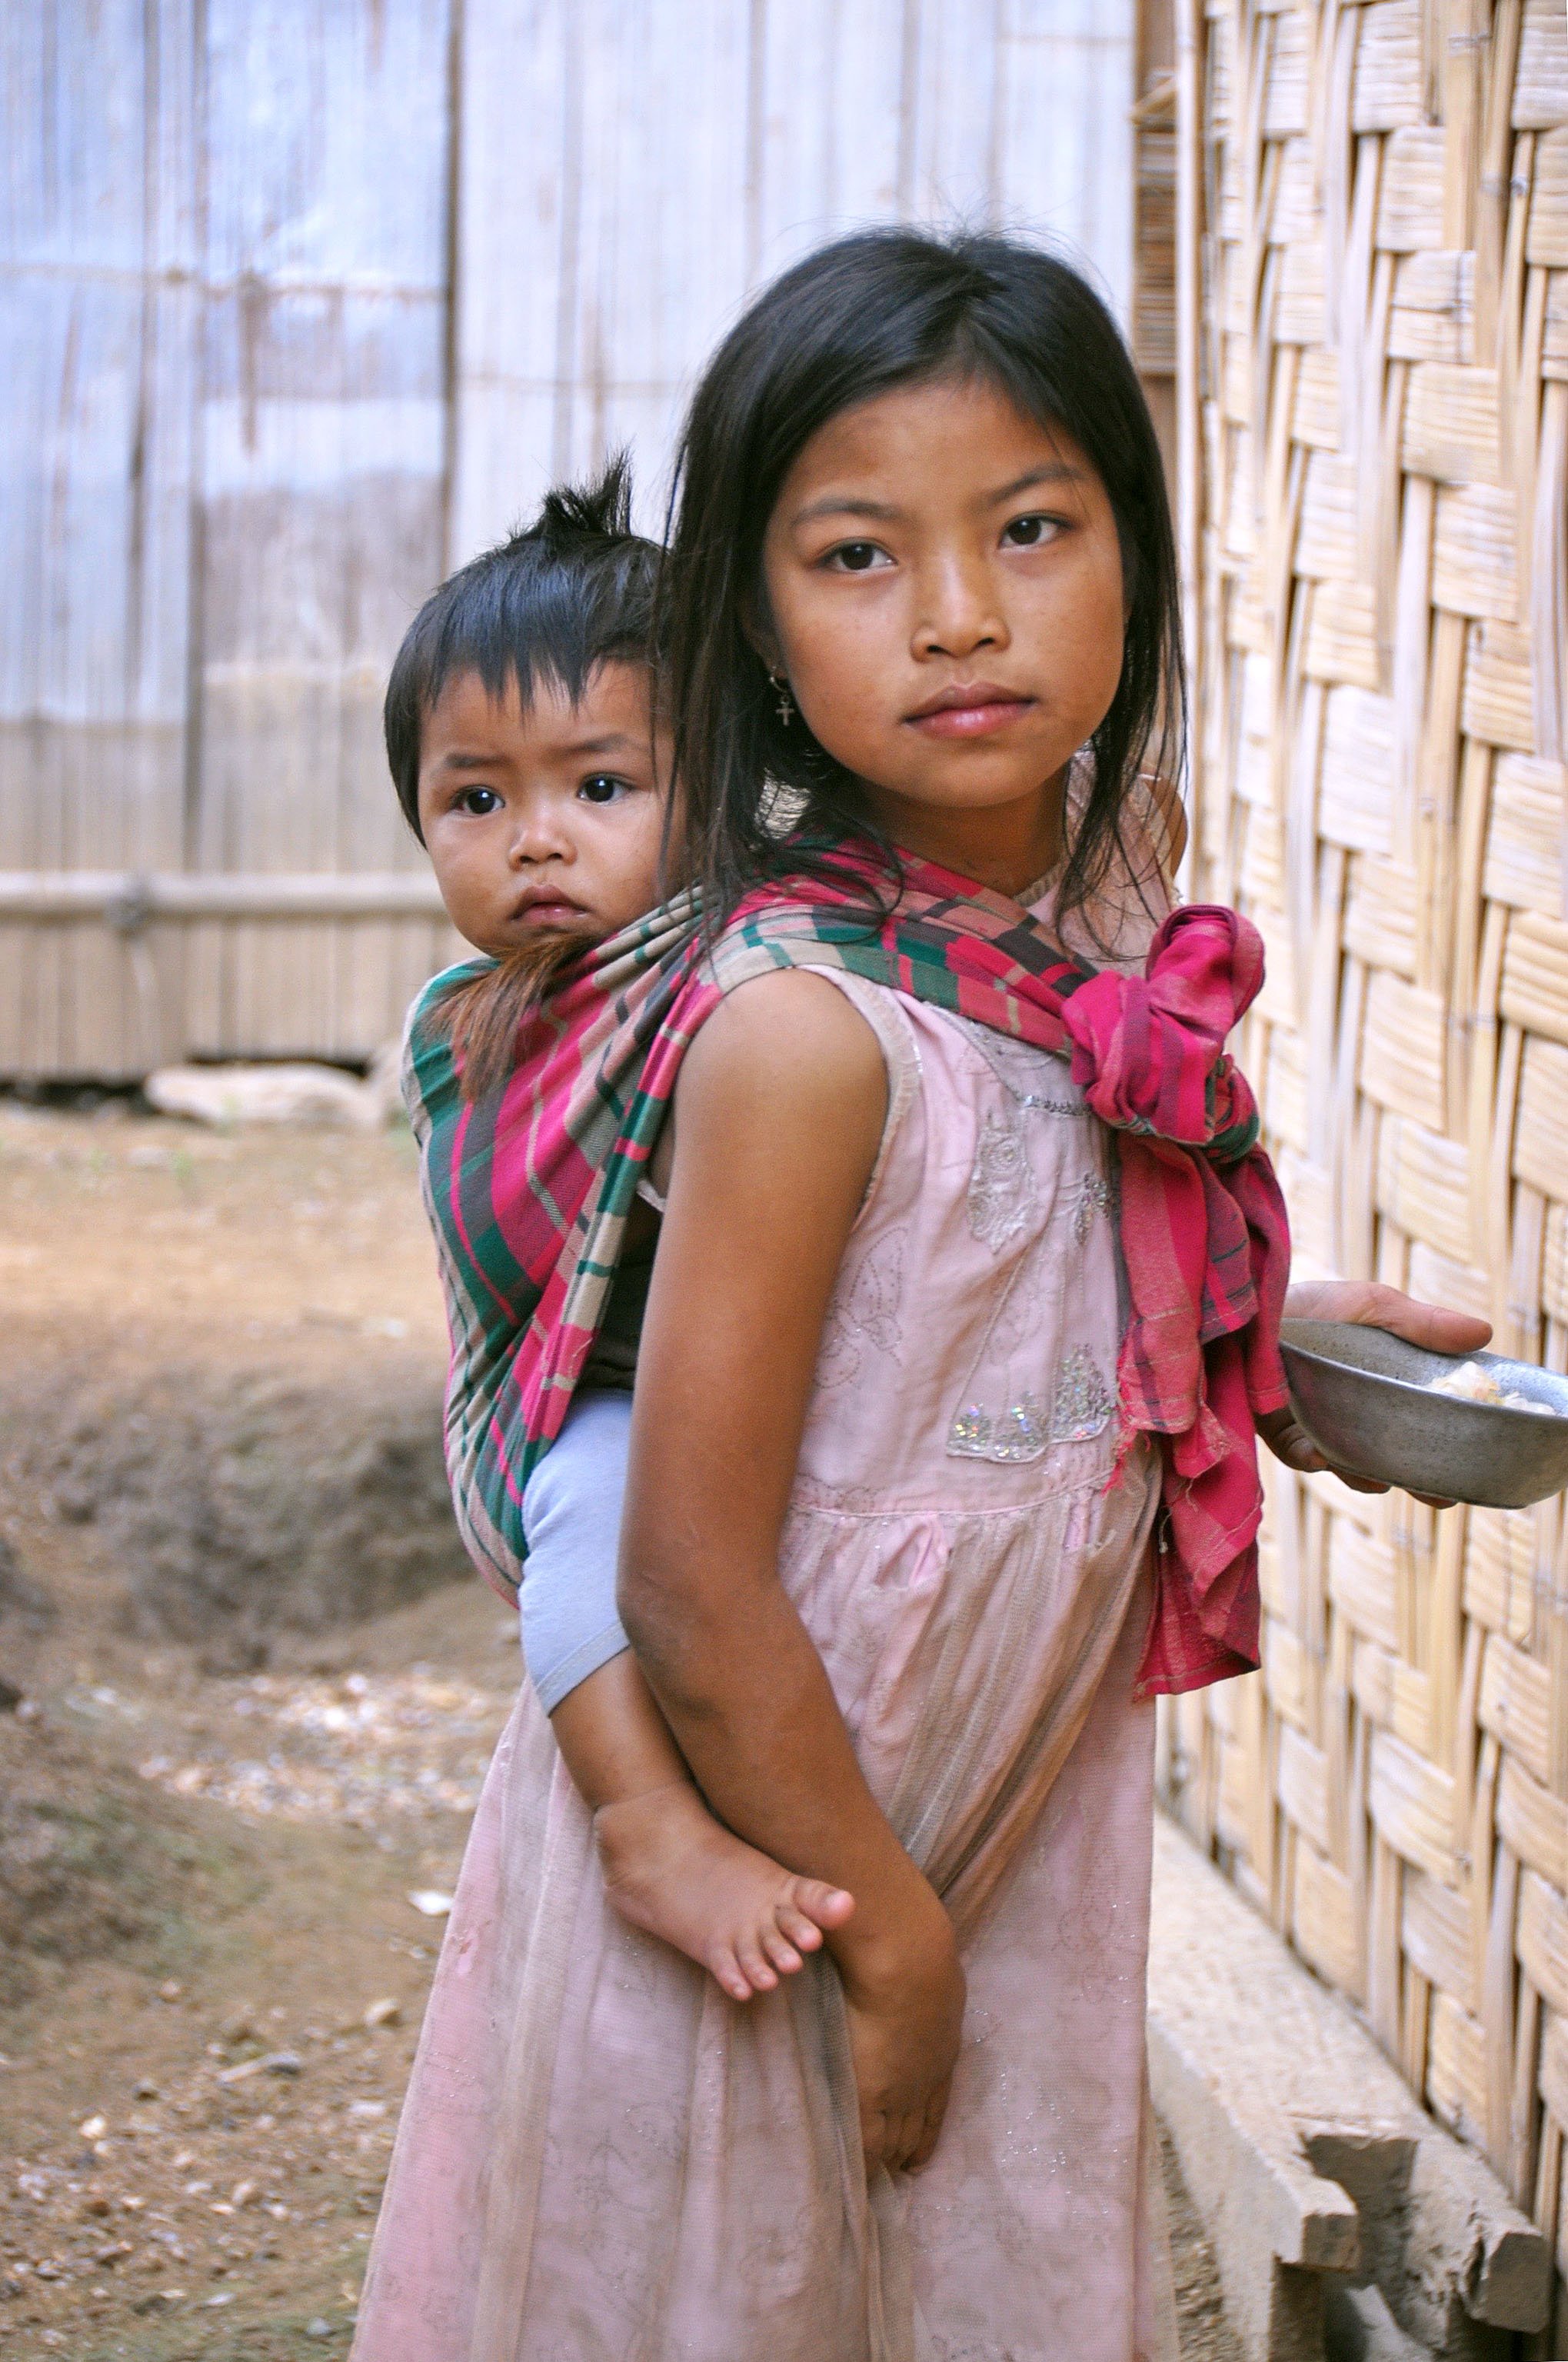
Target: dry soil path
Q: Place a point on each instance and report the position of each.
(211, 1967)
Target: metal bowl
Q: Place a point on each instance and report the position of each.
(1362, 1396)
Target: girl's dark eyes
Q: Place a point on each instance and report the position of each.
(1030, 532)
(603, 787)
(857, 556)
(480, 802)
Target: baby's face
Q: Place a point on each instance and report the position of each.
(546, 822)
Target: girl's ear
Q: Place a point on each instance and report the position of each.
(756, 622)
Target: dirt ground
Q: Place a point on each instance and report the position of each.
(229, 1822)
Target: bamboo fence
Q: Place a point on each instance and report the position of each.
(301, 306)
(1372, 332)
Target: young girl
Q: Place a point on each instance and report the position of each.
(942, 1439)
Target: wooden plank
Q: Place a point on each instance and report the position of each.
(131, 899)
(229, 291)
(962, 71)
(324, 483)
(814, 170)
(97, 314)
(517, 205)
(804, 121)
(1071, 65)
(647, 299)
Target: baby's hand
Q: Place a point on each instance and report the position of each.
(675, 1872)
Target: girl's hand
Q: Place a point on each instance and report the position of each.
(906, 2017)
(1289, 1441)
(1434, 1327)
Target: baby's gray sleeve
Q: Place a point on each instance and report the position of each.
(571, 1521)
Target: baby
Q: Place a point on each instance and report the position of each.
(525, 736)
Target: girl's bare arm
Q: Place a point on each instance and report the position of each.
(779, 1112)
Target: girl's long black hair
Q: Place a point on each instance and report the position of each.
(880, 309)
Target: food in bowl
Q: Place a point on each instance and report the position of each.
(1472, 1382)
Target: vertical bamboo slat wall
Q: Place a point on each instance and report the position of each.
(1380, 562)
(302, 305)
(680, 153)
(223, 264)
(322, 433)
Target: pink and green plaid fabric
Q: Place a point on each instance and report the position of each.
(528, 1191)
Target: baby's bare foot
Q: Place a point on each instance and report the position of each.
(672, 1870)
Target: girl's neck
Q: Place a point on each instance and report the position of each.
(1003, 847)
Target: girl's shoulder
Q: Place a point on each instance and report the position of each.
(784, 1017)
(781, 1097)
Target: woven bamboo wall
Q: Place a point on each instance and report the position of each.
(1373, 202)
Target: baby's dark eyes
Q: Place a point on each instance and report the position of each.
(480, 802)
(603, 787)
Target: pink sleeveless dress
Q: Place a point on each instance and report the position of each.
(600, 2158)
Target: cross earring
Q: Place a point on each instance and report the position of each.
(786, 703)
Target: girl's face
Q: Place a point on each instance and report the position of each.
(549, 821)
(945, 587)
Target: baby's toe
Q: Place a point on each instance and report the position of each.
(779, 1950)
(826, 1906)
(728, 1974)
(797, 1929)
(755, 1966)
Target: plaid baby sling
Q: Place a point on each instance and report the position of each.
(528, 1189)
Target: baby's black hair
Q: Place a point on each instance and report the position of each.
(874, 311)
(573, 590)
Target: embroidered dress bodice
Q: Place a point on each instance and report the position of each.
(977, 1302)
(980, 1301)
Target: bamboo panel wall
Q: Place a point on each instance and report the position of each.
(1151, 318)
(682, 152)
(1374, 201)
(322, 432)
(303, 306)
(222, 303)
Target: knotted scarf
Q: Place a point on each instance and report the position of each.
(529, 1187)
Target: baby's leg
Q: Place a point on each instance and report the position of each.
(669, 1865)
